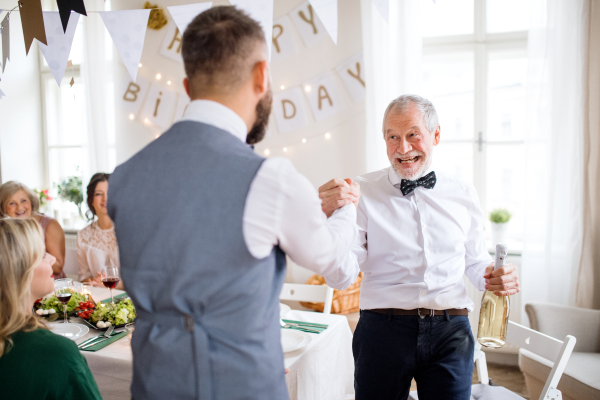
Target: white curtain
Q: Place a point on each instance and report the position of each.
(97, 78)
(554, 148)
(392, 54)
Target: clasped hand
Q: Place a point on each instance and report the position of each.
(337, 193)
(503, 281)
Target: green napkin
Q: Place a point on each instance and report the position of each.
(117, 298)
(104, 343)
(310, 328)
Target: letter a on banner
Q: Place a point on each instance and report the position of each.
(57, 51)
(183, 15)
(261, 11)
(327, 10)
(127, 29)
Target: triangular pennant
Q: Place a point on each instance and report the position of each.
(383, 6)
(66, 6)
(5, 28)
(327, 10)
(261, 11)
(57, 51)
(1, 94)
(183, 15)
(32, 22)
(127, 29)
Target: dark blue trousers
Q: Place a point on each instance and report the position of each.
(390, 350)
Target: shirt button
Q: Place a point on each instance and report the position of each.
(424, 226)
(427, 252)
(423, 292)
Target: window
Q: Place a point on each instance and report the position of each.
(474, 71)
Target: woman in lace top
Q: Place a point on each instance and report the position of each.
(18, 201)
(97, 242)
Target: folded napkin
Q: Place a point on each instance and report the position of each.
(304, 326)
(113, 338)
(118, 297)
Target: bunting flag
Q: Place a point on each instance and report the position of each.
(66, 6)
(1, 94)
(327, 10)
(183, 15)
(57, 51)
(5, 28)
(32, 21)
(128, 30)
(383, 6)
(261, 11)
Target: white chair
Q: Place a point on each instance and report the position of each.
(543, 345)
(312, 293)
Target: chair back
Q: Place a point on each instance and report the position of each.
(312, 293)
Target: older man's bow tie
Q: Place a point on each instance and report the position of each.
(428, 181)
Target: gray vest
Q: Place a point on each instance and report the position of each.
(208, 312)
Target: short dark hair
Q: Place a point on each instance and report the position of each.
(217, 48)
(91, 188)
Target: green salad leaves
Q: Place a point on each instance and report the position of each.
(53, 302)
(120, 313)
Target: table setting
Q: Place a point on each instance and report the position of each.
(317, 347)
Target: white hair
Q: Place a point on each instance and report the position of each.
(404, 102)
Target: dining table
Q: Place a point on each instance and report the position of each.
(322, 369)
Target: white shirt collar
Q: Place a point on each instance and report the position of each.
(212, 113)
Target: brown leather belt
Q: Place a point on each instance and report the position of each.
(421, 312)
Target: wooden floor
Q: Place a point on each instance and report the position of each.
(502, 375)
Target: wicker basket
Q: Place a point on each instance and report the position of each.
(344, 301)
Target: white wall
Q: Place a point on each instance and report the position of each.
(21, 138)
(319, 159)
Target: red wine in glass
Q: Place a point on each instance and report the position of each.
(110, 283)
(64, 298)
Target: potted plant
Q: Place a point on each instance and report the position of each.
(71, 190)
(499, 218)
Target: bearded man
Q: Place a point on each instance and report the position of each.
(203, 225)
(420, 231)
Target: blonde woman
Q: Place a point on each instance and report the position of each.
(34, 362)
(18, 201)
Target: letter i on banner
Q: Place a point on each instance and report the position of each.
(308, 24)
(352, 74)
(288, 107)
(159, 107)
(133, 95)
(323, 96)
(283, 41)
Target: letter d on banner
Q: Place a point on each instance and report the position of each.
(288, 107)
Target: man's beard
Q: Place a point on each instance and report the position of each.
(263, 110)
(411, 174)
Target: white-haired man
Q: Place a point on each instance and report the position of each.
(419, 233)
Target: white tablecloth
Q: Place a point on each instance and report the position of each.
(322, 370)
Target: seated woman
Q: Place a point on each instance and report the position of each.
(34, 362)
(18, 201)
(97, 242)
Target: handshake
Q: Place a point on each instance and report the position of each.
(337, 193)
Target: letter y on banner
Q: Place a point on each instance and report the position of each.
(127, 29)
(261, 11)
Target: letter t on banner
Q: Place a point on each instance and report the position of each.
(261, 11)
(327, 10)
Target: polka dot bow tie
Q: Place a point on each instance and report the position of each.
(428, 181)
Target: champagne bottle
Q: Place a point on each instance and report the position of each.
(493, 317)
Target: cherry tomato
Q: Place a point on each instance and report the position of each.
(81, 304)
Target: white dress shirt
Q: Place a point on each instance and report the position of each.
(415, 249)
(282, 206)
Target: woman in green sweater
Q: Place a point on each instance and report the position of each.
(34, 362)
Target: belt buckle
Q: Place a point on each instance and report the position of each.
(422, 316)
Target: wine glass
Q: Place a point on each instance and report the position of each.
(110, 278)
(63, 288)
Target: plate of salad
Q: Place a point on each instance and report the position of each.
(106, 315)
(50, 307)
